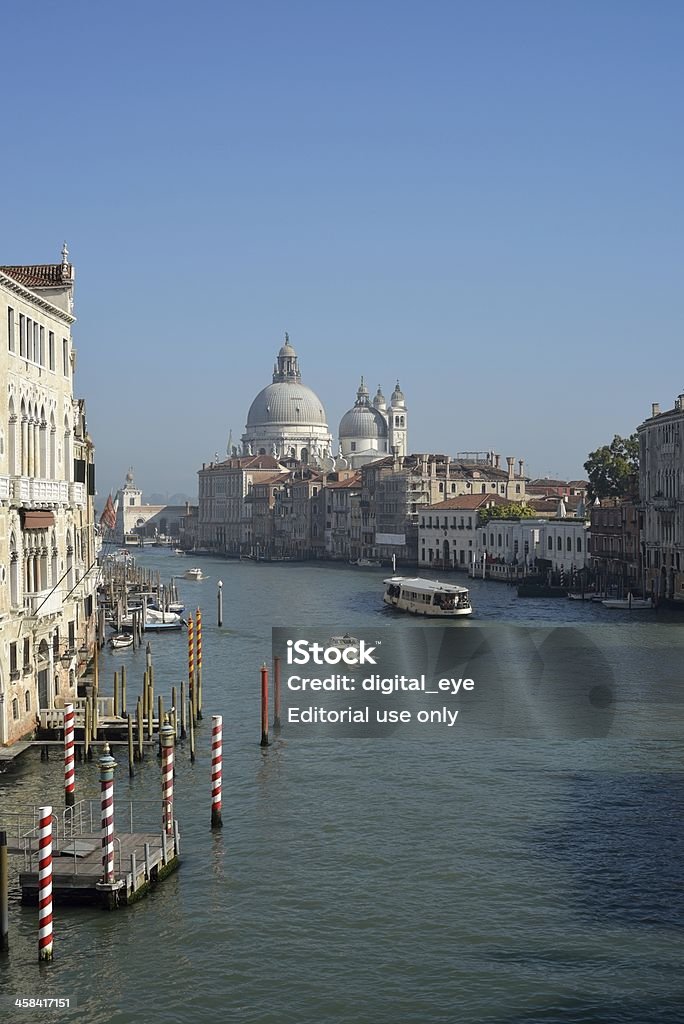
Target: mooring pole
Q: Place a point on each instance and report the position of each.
(167, 738)
(4, 894)
(216, 764)
(276, 692)
(45, 883)
(69, 771)
(219, 599)
(264, 705)
(107, 765)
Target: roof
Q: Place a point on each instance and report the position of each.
(41, 275)
(467, 502)
(251, 462)
(418, 583)
(286, 402)
(363, 421)
(351, 482)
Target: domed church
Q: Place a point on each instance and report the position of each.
(370, 430)
(287, 419)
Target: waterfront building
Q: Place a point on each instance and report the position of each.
(47, 484)
(447, 530)
(661, 493)
(341, 499)
(224, 522)
(370, 430)
(396, 490)
(615, 546)
(532, 545)
(287, 419)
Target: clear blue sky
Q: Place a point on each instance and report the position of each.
(481, 199)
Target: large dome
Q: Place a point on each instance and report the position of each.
(286, 402)
(363, 421)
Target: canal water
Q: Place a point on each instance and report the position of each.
(450, 876)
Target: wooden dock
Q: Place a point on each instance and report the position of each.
(141, 859)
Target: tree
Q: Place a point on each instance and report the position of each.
(512, 510)
(613, 469)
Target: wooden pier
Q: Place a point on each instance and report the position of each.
(141, 859)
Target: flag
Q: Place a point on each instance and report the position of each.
(108, 517)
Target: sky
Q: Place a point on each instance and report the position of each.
(481, 200)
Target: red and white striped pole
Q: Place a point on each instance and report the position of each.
(45, 883)
(167, 736)
(107, 766)
(216, 766)
(69, 771)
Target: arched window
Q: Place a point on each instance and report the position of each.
(568, 544)
(579, 543)
(53, 447)
(14, 572)
(42, 445)
(12, 439)
(27, 700)
(559, 543)
(549, 544)
(67, 468)
(15, 709)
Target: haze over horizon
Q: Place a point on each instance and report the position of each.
(481, 200)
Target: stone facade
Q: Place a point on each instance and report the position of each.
(47, 483)
(661, 494)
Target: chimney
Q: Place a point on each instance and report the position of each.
(510, 459)
(433, 468)
(655, 409)
(497, 460)
(521, 467)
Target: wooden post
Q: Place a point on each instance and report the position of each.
(191, 725)
(139, 716)
(96, 669)
(131, 772)
(4, 894)
(94, 714)
(116, 694)
(107, 765)
(86, 730)
(219, 601)
(276, 692)
(150, 707)
(183, 708)
(123, 689)
(160, 719)
(174, 708)
(264, 706)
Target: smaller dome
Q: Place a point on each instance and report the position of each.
(379, 401)
(286, 349)
(363, 421)
(397, 395)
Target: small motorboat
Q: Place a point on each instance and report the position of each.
(121, 640)
(343, 642)
(194, 574)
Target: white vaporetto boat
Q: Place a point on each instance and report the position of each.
(629, 603)
(427, 597)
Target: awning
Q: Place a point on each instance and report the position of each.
(37, 520)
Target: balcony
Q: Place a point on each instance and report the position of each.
(45, 602)
(28, 490)
(77, 495)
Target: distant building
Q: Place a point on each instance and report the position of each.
(137, 522)
(447, 531)
(287, 419)
(615, 546)
(370, 430)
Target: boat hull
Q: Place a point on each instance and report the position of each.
(428, 612)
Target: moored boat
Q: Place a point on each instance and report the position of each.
(120, 640)
(427, 597)
(629, 603)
